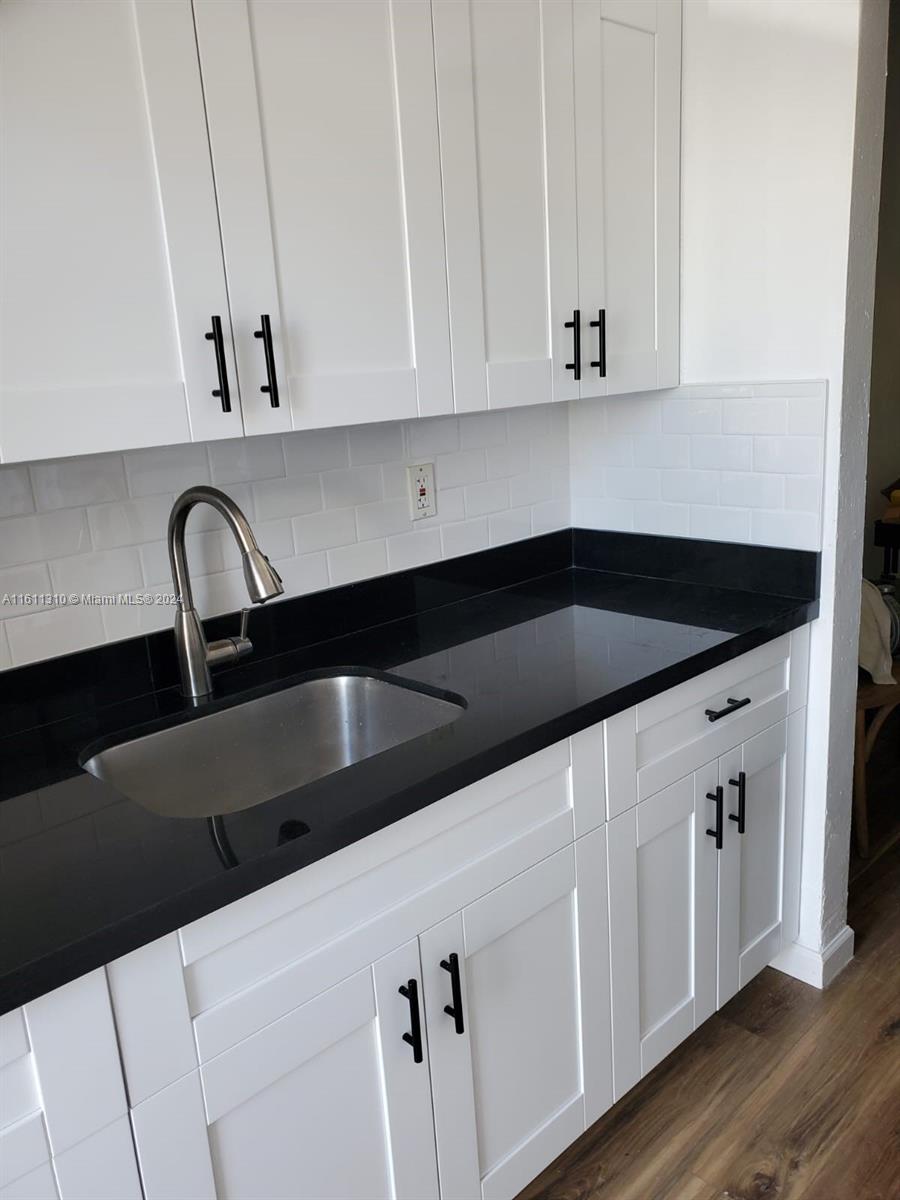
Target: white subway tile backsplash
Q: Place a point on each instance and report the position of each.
(755, 415)
(692, 414)
(798, 529)
(407, 550)
(362, 560)
(488, 497)
(751, 490)
(129, 523)
(720, 524)
(5, 656)
(240, 460)
(756, 453)
(549, 515)
(718, 452)
(291, 496)
(43, 536)
(451, 505)
(322, 530)
(513, 458)
(483, 429)
(204, 555)
(163, 469)
(464, 537)
(662, 450)
(633, 483)
(40, 635)
(429, 438)
(691, 487)
(303, 573)
(460, 468)
(790, 455)
(15, 492)
(509, 526)
(74, 481)
(102, 571)
(382, 519)
(315, 450)
(375, 443)
(356, 485)
(33, 578)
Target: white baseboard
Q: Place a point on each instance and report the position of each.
(816, 967)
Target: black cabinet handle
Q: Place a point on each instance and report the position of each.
(600, 324)
(575, 326)
(731, 706)
(741, 784)
(218, 342)
(454, 1010)
(719, 796)
(271, 386)
(414, 1037)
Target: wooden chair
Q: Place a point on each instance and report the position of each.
(883, 697)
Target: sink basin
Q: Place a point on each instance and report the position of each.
(250, 752)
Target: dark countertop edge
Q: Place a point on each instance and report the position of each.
(42, 975)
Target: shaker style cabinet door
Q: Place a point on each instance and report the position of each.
(323, 129)
(329, 1101)
(662, 911)
(507, 137)
(517, 996)
(752, 778)
(112, 264)
(627, 106)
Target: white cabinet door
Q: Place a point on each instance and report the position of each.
(112, 264)
(328, 1101)
(323, 128)
(521, 1063)
(662, 901)
(505, 102)
(751, 863)
(627, 105)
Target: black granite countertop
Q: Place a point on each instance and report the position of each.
(87, 875)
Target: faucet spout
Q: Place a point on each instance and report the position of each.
(195, 656)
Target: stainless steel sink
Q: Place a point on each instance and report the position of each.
(243, 755)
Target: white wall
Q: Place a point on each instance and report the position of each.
(768, 151)
(884, 415)
(328, 507)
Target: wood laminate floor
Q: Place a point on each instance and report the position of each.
(787, 1092)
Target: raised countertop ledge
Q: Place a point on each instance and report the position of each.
(88, 875)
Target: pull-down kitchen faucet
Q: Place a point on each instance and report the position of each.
(195, 655)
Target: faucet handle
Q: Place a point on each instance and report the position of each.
(229, 650)
(245, 617)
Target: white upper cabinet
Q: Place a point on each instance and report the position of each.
(112, 265)
(323, 127)
(507, 125)
(627, 107)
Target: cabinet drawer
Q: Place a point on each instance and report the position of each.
(675, 731)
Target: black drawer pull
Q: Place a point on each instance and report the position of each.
(741, 784)
(575, 326)
(414, 1037)
(600, 360)
(218, 341)
(730, 707)
(271, 385)
(454, 1010)
(719, 797)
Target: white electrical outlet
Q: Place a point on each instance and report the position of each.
(422, 498)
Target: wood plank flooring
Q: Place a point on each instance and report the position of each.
(787, 1092)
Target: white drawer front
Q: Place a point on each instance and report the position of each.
(675, 734)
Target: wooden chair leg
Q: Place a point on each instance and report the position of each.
(860, 810)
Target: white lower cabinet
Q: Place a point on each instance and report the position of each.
(695, 885)
(328, 1101)
(516, 992)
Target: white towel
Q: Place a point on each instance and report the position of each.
(875, 635)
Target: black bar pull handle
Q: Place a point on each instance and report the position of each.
(600, 360)
(719, 797)
(414, 1037)
(270, 387)
(741, 784)
(454, 1010)
(218, 342)
(731, 706)
(575, 326)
